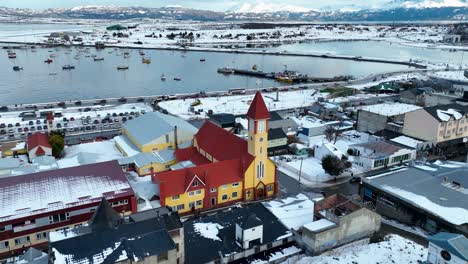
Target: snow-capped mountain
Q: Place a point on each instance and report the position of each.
(263, 7)
(396, 10)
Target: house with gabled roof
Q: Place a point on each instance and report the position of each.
(221, 168)
(38, 145)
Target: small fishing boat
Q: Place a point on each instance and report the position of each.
(77, 57)
(163, 77)
(177, 79)
(12, 55)
(202, 59)
(17, 68)
(226, 70)
(122, 68)
(254, 67)
(48, 61)
(94, 55)
(142, 53)
(146, 60)
(68, 67)
(98, 59)
(126, 53)
(52, 73)
(126, 56)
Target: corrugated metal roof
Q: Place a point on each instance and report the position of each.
(9, 163)
(163, 156)
(153, 125)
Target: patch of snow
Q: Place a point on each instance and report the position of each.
(394, 249)
(208, 230)
(392, 109)
(407, 141)
(445, 115)
(319, 225)
(424, 167)
(293, 212)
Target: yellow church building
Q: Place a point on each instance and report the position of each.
(221, 168)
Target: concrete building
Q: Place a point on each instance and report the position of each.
(391, 116)
(430, 196)
(447, 248)
(339, 220)
(154, 131)
(324, 110)
(109, 238)
(380, 154)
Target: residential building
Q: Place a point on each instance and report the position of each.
(31, 256)
(35, 204)
(445, 126)
(339, 220)
(277, 142)
(226, 121)
(380, 154)
(221, 168)
(38, 145)
(110, 238)
(324, 110)
(287, 123)
(391, 116)
(427, 195)
(154, 131)
(327, 149)
(425, 97)
(438, 123)
(238, 234)
(299, 149)
(310, 126)
(447, 248)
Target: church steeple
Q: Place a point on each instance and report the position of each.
(258, 109)
(258, 116)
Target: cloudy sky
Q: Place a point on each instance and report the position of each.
(218, 5)
(225, 5)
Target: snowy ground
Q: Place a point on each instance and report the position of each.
(239, 104)
(219, 33)
(450, 75)
(394, 249)
(88, 153)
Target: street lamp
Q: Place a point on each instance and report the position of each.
(300, 172)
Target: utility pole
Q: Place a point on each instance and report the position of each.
(299, 181)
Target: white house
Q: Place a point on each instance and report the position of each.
(379, 154)
(447, 248)
(249, 233)
(327, 149)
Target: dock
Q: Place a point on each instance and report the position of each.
(296, 79)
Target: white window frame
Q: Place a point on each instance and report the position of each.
(261, 126)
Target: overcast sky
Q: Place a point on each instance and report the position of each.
(218, 5)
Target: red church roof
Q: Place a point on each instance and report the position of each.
(38, 139)
(258, 109)
(212, 174)
(222, 145)
(190, 154)
(40, 151)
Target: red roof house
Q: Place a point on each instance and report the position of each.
(38, 145)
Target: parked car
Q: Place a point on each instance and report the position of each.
(20, 130)
(31, 122)
(39, 128)
(2, 125)
(38, 122)
(59, 125)
(10, 125)
(17, 124)
(26, 129)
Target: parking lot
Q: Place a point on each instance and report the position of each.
(72, 122)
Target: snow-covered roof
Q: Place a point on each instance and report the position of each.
(163, 156)
(153, 125)
(390, 109)
(126, 145)
(407, 141)
(319, 225)
(445, 115)
(293, 212)
(430, 187)
(9, 163)
(58, 189)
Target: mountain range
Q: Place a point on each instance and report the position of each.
(396, 10)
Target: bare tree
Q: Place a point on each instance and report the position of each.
(332, 134)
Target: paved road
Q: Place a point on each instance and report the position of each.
(289, 186)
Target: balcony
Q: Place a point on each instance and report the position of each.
(24, 227)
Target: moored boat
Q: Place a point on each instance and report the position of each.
(122, 68)
(68, 67)
(146, 60)
(163, 77)
(202, 59)
(48, 61)
(177, 79)
(17, 68)
(98, 59)
(226, 70)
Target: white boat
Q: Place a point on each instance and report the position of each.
(163, 77)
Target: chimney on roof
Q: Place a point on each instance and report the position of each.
(175, 137)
